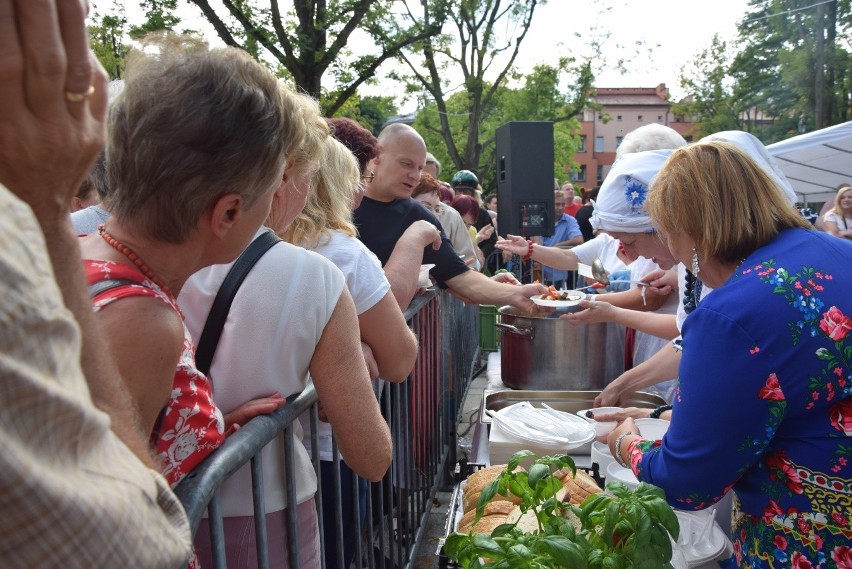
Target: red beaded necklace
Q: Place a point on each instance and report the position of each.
(133, 257)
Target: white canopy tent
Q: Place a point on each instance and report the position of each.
(816, 162)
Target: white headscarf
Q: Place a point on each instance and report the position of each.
(749, 144)
(621, 200)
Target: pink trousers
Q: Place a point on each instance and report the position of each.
(240, 549)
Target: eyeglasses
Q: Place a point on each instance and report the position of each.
(368, 177)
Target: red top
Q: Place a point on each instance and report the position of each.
(191, 426)
(572, 209)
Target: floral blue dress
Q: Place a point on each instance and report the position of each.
(764, 406)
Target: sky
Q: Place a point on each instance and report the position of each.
(671, 32)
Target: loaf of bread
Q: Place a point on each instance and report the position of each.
(479, 480)
(579, 486)
(493, 510)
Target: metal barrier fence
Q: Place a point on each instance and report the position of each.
(422, 413)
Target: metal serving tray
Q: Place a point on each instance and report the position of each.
(567, 401)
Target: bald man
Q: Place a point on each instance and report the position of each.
(387, 212)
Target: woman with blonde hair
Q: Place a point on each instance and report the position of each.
(838, 221)
(390, 347)
(290, 322)
(764, 405)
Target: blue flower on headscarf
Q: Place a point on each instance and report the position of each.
(635, 193)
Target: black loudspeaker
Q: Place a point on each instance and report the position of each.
(525, 178)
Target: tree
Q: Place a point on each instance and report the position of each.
(792, 71)
(711, 101)
(310, 41)
(543, 96)
(479, 49)
(107, 38)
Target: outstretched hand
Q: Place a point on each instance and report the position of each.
(514, 244)
(594, 311)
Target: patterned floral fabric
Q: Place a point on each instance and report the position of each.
(764, 406)
(192, 426)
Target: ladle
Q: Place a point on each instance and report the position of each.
(599, 272)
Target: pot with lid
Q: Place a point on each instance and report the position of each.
(547, 353)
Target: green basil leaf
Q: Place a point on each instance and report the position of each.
(485, 496)
(563, 552)
(536, 473)
(516, 459)
(519, 552)
(484, 545)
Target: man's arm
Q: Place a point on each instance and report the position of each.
(403, 267)
(476, 288)
(576, 240)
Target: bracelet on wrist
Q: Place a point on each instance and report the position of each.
(655, 414)
(618, 442)
(529, 254)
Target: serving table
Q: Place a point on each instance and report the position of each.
(497, 395)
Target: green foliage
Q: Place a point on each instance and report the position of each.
(620, 528)
(159, 15)
(781, 78)
(107, 36)
(310, 39)
(371, 112)
(554, 93)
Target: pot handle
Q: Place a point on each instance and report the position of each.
(516, 330)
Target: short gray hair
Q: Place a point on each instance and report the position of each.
(430, 159)
(191, 125)
(650, 137)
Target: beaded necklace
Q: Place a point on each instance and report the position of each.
(133, 257)
(692, 294)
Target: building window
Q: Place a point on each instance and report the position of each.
(600, 117)
(618, 140)
(600, 173)
(599, 144)
(659, 117)
(618, 117)
(639, 118)
(579, 175)
(582, 146)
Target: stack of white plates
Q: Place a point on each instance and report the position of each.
(694, 550)
(542, 431)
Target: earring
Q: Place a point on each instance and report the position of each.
(695, 267)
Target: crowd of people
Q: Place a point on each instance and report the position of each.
(113, 394)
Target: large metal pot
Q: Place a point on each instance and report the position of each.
(547, 353)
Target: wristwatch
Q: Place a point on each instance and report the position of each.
(655, 414)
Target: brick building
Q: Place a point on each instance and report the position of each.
(624, 109)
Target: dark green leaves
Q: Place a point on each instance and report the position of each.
(621, 528)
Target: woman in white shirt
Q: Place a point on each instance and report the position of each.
(838, 221)
(325, 226)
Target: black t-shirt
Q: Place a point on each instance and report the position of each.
(583, 215)
(381, 224)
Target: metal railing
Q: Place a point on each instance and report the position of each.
(422, 413)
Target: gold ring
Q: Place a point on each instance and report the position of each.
(79, 97)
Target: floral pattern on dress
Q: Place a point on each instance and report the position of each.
(805, 488)
(192, 426)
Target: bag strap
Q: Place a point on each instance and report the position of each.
(209, 339)
(100, 287)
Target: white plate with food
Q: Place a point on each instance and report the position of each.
(559, 298)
